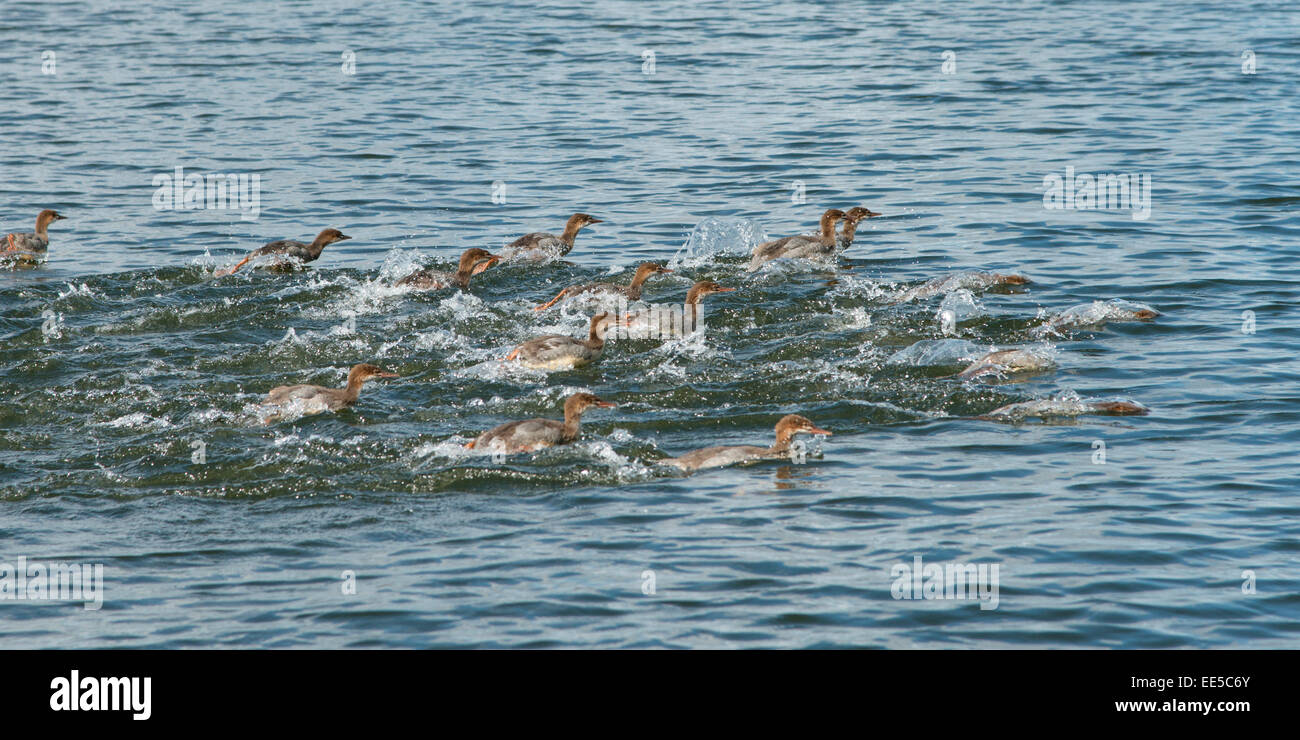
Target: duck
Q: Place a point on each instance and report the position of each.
(531, 435)
(973, 280)
(541, 246)
(1066, 406)
(33, 242)
(472, 262)
(717, 457)
(562, 352)
(292, 250)
(820, 246)
(1005, 361)
(667, 321)
(315, 399)
(1095, 314)
(631, 291)
(851, 219)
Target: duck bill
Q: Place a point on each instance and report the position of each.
(342, 237)
(818, 430)
(387, 375)
(485, 264)
(606, 404)
(724, 290)
(596, 221)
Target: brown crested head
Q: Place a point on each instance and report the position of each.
(1123, 408)
(475, 260)
(1013, 279)
(793, 424)
(857, 213)
(45, 217)
(365, 371)
(579, 220)
(1146, 313)
(600, 324)
(646, 269)
(832, 215)
(703, 288)
(329, 236)
(579, 402)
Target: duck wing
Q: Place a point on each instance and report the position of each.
(289, 393)
(27, 242)
(553, 350)
(521, 436)
(716, 457)
(284, 247)
(535, 240)
(774, 249)
(428, 280)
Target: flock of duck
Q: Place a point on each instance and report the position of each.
(560, 352)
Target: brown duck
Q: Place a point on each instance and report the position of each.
(472, 262)
(534, 434)
(631, 291)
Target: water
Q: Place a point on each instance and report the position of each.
(143, 354)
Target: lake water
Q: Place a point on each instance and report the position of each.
(129, 434)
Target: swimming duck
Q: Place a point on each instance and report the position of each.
(820, 246)
(1095, 314)
(540, 245)
(1065, 406)
(851, 219)
(36, 242)
(562, 352)
(631, 291)
(716, 457)
(534, 434)
(292, 250)
(472, 262)
(970, 280)
(664, 321)
(314, 399)
(1005, 361)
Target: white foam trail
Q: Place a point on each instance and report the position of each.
(963, 304)
(936, 352)
(714, 236)
(138, 420)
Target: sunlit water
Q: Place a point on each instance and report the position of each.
(123, 357)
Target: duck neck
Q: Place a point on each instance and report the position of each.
(317, 246)
(571, 230)
(782, 444)
(850, 228)
(463, 275)
(352, 390)
(828, 232)
(572, 421)
(595, 340)
(638, 280)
